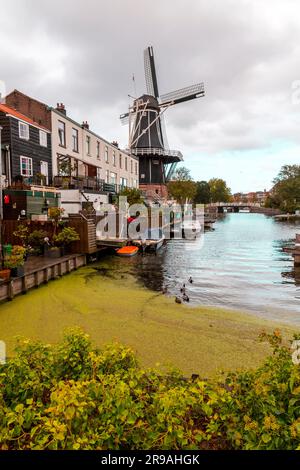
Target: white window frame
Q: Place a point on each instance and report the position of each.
(106, 154)
(43, 138)
(25, 126)
(29, 159)
(88, 145)
(98, 149)
(63, 133)
(75, 140)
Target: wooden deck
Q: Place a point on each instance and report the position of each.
(40, 270)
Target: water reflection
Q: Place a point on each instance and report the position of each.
(241, 265)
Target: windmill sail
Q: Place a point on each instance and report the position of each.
(183, 94)
(150, 72)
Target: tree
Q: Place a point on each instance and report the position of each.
(219, 190)
(286, 191)
(182, 174)
(202, 195)
(182, 191)
(134, 195)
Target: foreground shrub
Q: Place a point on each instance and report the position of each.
(71, 396)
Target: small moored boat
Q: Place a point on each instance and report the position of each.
(127, 251)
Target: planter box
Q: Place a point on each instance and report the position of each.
(53, 253)
(18, 272)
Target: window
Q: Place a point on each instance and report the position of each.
(98, 149)
(62, 133)
(23, 130)
(107, 176)
(98, 173)
(106, 153)
(135, 168)
(75, 139)
(88, 145)
(123, 182)
(43, 138)
(114, 159)
(120, 160)
(126, 163)
(113, 178)
(26, 166)
(131, 166)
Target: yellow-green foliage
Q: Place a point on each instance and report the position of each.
(71, 396)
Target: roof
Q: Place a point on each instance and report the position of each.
(12, 112)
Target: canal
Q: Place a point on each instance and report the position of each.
(239, 265)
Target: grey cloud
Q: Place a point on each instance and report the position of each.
(246, 52)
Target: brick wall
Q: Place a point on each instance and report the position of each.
(32, 108)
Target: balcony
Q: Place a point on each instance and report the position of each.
(84, 183)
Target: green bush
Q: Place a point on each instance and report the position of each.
(72, 396)
(66, 237)
(37, 238)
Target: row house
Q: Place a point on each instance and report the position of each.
(89, 160)
(85, 167)
(25, 149)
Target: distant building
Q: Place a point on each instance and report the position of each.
(252, 197)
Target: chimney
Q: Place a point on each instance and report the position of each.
(61, 108)
(85, 125)
(115, 143)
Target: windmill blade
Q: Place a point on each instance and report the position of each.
(150, 72)
(163, 131)
(124, 118)
(183, 94)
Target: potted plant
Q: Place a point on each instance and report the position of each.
(55, 214)
(36, 241)
(52, 252)
(5, 274)
(15, 261)
(67, 236)
(22, 234)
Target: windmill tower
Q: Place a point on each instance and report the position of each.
(147, 136)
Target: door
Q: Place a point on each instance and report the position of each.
(44, 171)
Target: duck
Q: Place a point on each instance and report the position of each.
(185, 298)
(182, 289)
(178, 300)
(191, 280)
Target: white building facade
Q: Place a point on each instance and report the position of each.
(79, 153)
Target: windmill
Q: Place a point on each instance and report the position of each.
(147, 136)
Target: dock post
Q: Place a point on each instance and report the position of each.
(46, 278)
(24, 285)
(11, 290)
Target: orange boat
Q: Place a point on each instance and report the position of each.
(127, 251)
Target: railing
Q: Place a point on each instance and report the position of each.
(37, 181)
(80, 182)
(157, 151)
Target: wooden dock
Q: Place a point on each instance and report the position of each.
(40, 270)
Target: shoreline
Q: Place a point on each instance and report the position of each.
(201, 340)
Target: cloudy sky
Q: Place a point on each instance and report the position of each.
(247, 52)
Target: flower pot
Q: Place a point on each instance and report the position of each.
(18, 271)
(5, 274)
